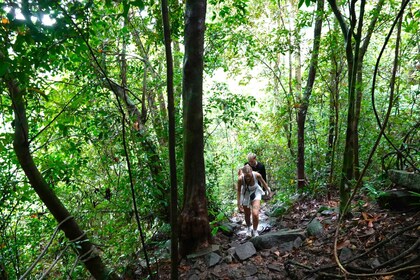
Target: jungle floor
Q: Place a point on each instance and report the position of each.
(374, 243)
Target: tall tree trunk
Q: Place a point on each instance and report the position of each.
(360, 87)
(172, 158)
(333, 117)
(348, 158)
(87, 251)
(148, 146)
(303, 109)
(194, 222)
(354, 56)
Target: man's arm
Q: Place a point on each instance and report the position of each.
(263, 174)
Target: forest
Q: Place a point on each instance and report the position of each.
(123, 124)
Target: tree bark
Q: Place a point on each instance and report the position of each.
(360, 87)
(172, 144)
(303, 109)
(87, 251)
(354, 55)
(194, 222)
(351, 52)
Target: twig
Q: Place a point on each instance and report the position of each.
(398, 233)
(297, 264)
(54, 263)
(46, 248)
(400, 256)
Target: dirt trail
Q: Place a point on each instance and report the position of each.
(374, 241)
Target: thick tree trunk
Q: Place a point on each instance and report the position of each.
(87, 251)
(303, 109)
(194, 222)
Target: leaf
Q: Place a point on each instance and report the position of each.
(3, 68)
(138, 3)
(343, 244)
(300, 3)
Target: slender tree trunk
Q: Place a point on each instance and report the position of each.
(87, 251)
(194, 222)
(172, 159)
(333, 118)
(354, 54)
(360, 87)
(303, 109)
(358, 107)
(154, 163)
(348, 158)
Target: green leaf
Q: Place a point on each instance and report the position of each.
(3, 68)
(138, 3)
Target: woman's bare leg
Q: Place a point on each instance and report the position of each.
(255, 213)
(247, 212)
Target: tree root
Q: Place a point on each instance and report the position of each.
(370, 271)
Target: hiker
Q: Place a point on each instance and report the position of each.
(256, 165)
(249, 194)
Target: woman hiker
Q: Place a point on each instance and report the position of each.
(249, 194)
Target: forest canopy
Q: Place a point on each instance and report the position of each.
(325, 94)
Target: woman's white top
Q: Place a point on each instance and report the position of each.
(250, 193)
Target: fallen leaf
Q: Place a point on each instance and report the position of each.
(343, 244)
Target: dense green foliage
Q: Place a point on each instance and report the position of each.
(66, 56)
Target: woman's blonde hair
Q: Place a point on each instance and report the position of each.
(247, 169)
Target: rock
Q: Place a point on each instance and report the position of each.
(399, 200)
(245, 251)
(274, 239)
(213, 259)
(401, 178)
(250, 270)
(315, 228)
(194, 277)
(228, 259)
(345, 254)
(234, 244)
(212, 248)
(286, 246)
(297, 243)
(275, 268)
(374, 262)
(231, 251)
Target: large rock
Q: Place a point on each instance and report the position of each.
(275, 239)
(400, 200)
(401, 178)
(315, 228)
(245, 251)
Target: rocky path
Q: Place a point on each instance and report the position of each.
(299, 245)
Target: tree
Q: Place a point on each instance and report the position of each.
(303, 108)
(194, 222)
(172, 158)
(352, 35)
(87, 251)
